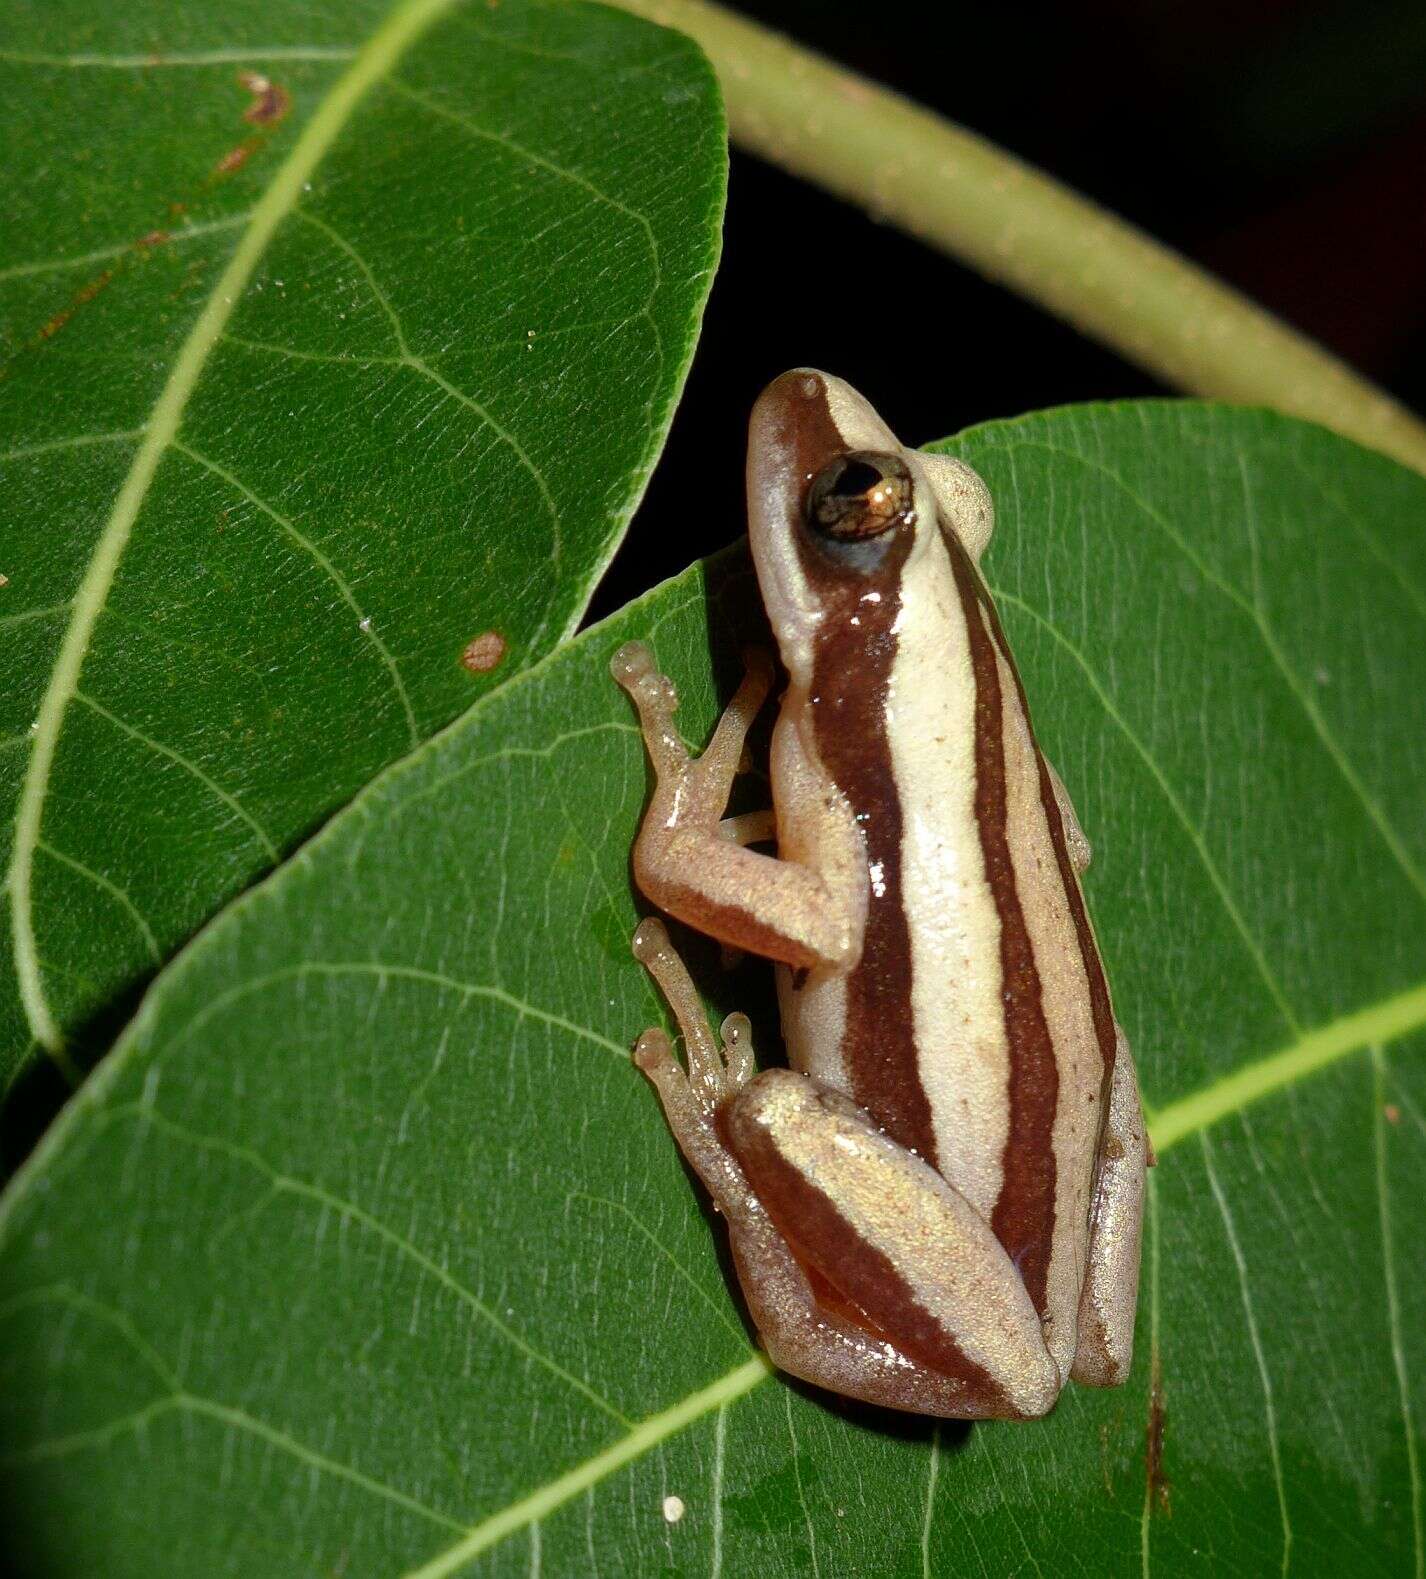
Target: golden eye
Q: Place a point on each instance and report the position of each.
(860, 495)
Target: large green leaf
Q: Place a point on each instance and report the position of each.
(368, 1251)
(333, 337)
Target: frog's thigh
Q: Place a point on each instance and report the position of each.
(1111, 1284)
(949, 1328)
(757, 902)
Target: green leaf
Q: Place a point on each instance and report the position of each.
(331, 340)
(368, 1250)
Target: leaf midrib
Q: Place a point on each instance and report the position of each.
(375, 60)
(1370, 1027)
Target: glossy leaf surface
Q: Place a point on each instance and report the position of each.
(334, 338)
(368, 1251)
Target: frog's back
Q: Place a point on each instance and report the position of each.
(976, 1026)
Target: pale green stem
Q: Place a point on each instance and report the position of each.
(1016, 226)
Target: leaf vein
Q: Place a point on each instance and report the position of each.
(406, 357)
(1393, 1306)
(540, 1503)
(416, 973)
(1252, 611)
(1308, 703)
(232, 55)
(119, 249)
(117, 894)
(74, 441)
(26, 615)
(288, 1184)
(305, 543)
(933, 1473)
(206, 779)
(1255, 1339)
(718, 1307)
(378, 56)
(1380, 1022)
(1180, 811)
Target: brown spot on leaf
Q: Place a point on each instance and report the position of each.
(4, 580)
(271, 101)
(1391, 1113)
(87, 293)
(236, 158)
(482, 654)
(82, 297)
(1158, 1481)
(155, 238)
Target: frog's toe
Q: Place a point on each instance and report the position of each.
(739, 1064)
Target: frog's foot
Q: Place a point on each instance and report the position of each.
(718, 1070)
(696, 789)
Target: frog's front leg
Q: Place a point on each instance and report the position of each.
(696, 866)
(864, 1272)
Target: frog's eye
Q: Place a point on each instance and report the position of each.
(859, 495)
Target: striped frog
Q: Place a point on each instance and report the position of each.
(937, 1207)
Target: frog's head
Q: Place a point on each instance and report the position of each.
(840, 512)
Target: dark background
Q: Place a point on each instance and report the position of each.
(1281, 144)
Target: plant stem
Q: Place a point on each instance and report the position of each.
(970, 199)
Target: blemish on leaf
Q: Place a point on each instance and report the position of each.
(1390, 1112)
(155, 238)
(87, 293)
(1158, 1481)
(270, 104)
(673, 1509)
(236, 158)
(4, 580)
(481, 654)
(271, 101)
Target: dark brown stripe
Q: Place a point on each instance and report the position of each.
(1100, 1007)
(1024, 1215)
(852, 660)
(871, 1293)
(732, 924)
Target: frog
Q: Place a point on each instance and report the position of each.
(935, 1206)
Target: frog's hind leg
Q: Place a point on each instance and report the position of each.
(1105, 1346)
(930, 1313)
(807, 1327)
